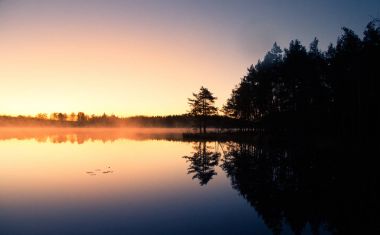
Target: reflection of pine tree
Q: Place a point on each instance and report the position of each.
(202, 162)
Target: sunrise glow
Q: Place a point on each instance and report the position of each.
(128, 59)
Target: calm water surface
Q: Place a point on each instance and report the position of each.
(122, 182)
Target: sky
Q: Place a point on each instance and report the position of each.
(146, 57)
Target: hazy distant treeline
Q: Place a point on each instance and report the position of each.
(83, 120)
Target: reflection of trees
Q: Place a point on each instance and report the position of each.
(246, 167)
(202, 162)
(304, 185)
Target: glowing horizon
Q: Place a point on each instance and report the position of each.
(144, 57)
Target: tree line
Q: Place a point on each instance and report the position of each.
(299, 89)
(82, 119)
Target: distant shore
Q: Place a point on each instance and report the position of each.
(81, 120)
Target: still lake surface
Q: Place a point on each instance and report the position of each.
(109, 181)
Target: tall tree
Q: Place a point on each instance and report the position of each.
(202, 106)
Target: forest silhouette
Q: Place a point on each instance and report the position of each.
(307, 91)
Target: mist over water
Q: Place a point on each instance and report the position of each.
(82, 135)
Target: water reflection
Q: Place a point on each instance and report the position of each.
(141, 187)
(202, 162)
(327, 190)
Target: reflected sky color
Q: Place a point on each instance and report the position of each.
(56, 172)
(46, 189)
(147, 57)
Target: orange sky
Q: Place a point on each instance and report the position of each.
(123, 75)
(48, 64)
(145, 57)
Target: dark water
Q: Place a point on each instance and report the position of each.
(150, 182)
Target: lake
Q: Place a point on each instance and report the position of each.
(147, 181)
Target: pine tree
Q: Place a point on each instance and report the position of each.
(202, 106)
